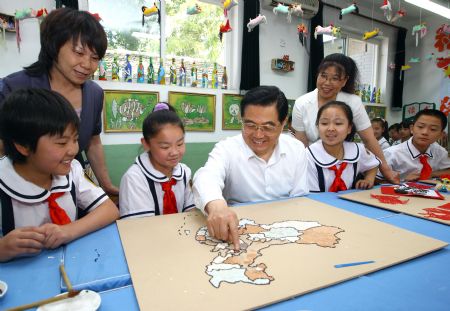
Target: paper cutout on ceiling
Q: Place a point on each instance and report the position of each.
(302, 33)
(350, 9)
(224, 27)
(283, 9)
(371, 34)
(195, 9)
(260, 19)
(419, 29)
(329, 30)
(400, 13)
(442, 39)
(387, 9)
(150, 11)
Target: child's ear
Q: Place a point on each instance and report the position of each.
(145, 144)
(23, 150)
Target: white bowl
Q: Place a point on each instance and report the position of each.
(3, 288)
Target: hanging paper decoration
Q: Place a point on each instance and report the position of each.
(150, 11)
(429, 56)
(302, 33)
(391, 66)
(329, 30)
(260, 19)
(444, 63)
(414, 60)
(400, 13)
(23, 14)
(371, 34)
(350, 9)
(442, 38)
(445, 105)
(387, 9)
(224, 27)
(195, 9)
(422, 29)
(227, 5)
(283, 9)
(405, 67)
(296, 9)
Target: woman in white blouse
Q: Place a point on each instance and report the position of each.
(336, 79)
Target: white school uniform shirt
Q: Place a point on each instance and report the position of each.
(235, 174)
(384, 144)
(320, 160)
(404, 158)
(28, 200)
(304, 113)
(136, 197)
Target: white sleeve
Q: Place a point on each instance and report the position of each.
(209, 180)
(88, 195)
(360, 117)
(135, 198)
(188, 195)
(444, 162)
(313, 179)
(367, 160)
(301, 186)
(297, 116)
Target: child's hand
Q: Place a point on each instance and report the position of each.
(21, 241)
(364, 184)
(412, 176)
(55, 235)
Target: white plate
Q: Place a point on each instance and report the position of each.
(3, 288)
(87, 300)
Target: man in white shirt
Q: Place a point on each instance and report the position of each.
(258, 164)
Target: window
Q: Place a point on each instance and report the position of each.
(179, 36)
(364, 53)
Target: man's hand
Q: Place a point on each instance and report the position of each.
(21, 241)
(222, 222)
(413, 176)
(391, 176)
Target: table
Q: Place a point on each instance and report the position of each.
(97, 262)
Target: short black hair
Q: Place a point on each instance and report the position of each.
(62, 25)
(345, 67)
(384, 125)
(433, 113)
(395, 127)
(348, 113)
(266, 95)
(157, 119)
(29, 114)
(405, 124)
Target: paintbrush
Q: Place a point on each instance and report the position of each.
(70, 293)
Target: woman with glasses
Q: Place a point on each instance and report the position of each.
(336, 79)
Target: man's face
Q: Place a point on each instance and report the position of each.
(261, 129)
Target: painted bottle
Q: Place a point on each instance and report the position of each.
(140, 71)
(151, 73)
(214, 78)
(115, 69)
(127, 70)
(102, 70)
(161, 73)
(193, 75)
(173, 73)
(224, 78)
(182, 77)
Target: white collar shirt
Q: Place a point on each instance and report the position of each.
(136, 198)
(234, 173)
(319, 159)
(384, 144)
(28, 200)
(304, 113)
(404, 158)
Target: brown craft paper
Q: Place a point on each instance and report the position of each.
(168, 265)
(414, 207)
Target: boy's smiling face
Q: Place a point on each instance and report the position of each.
(426, 130)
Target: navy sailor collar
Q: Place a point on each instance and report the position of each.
(416, 153)
(22, 190)
(325, 160)
(143, 162)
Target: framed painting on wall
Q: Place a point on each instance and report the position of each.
(376, 111)
(197, 111)
(410, 110)
(124, 111)
(231, 112)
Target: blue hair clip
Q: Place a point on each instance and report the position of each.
(161, 106)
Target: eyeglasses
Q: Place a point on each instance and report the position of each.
(251, 127)
(332, 79)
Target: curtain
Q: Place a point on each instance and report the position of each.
(316, 51)
(397, 86)
(250, 48)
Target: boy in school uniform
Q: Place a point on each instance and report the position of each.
(43, 190)
(420, 157)
(258, 164)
